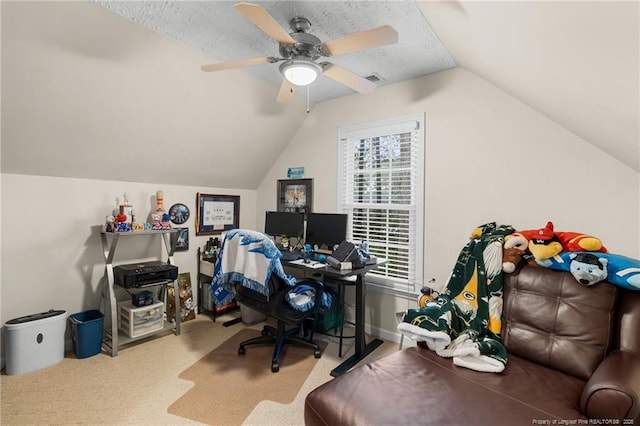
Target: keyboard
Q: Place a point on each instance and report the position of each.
(288, 256)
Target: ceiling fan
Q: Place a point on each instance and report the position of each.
(300, 51)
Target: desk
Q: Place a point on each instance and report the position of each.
(362, 348)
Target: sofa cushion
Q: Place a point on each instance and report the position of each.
(551, 319)
(426, 389)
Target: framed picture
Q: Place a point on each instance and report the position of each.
(295, 195)
(182, 244)
(187, 308)
(217, 213)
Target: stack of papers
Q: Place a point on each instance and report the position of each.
(314, 264)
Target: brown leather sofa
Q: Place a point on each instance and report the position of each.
(574, 358)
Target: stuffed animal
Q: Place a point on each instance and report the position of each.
(514, 248)
(545, 243)
(427, 294)
(589, 268)
(511, 257)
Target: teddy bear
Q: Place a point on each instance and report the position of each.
(591, 267)
(588, 268)
(513, 251)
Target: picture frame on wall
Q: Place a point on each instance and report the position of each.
(182, 243)
(217, 213)
(295, 195)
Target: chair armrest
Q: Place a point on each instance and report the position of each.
(613, 390)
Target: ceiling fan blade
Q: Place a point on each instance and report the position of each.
(375, 37)
(349, 79)
(265, 22)
(286, 92)
(238, 64)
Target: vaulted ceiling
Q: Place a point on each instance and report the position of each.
(575, 62)
(578, 63)
(224, 34)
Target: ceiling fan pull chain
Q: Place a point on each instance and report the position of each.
(308, 99)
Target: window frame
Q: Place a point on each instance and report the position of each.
(414, 123)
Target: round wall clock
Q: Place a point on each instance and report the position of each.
(179, 213)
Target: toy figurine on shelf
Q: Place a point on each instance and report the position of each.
(157, 216)
(166, 221)
(155, 222)
(121, 219)
(110, 224)
(126, 209)
(160, 204)
(116, 209)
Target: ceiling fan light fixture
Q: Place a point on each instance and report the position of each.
(300, 72)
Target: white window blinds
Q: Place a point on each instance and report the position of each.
(380, 187)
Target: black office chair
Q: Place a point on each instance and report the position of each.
(277, 307)
(275, 299)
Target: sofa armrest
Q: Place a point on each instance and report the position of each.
(613, 390)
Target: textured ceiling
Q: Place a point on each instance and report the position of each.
(217, 29)
(78, 78)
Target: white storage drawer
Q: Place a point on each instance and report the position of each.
(206, 268)
(137, 321)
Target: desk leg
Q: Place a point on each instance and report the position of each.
(362, 349)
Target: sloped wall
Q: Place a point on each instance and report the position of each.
(89, 94)
(489, 157)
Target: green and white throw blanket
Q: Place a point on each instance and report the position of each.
(464, 321)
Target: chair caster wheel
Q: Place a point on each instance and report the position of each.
(242, 350)
(275, 367)
(317, 353)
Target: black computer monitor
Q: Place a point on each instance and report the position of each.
(326, 229)
(284, 224)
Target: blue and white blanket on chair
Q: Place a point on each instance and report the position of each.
(250, 258)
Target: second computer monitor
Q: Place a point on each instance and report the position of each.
(284, 224)
(326, 229)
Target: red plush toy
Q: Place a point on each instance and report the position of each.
(545, 243)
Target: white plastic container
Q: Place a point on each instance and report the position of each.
(206, 268)
(251, 316)
(140, 321)
(34, 341)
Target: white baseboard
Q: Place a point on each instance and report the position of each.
(388, 335)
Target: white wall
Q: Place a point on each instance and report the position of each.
(489, 157)
(52, 257)
(115, 93)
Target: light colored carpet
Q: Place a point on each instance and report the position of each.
(138, 386)
(247, 380)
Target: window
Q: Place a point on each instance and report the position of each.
(380, 187)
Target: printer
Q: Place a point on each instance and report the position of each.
(137, 275)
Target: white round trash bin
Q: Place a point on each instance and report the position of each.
(34, 341)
